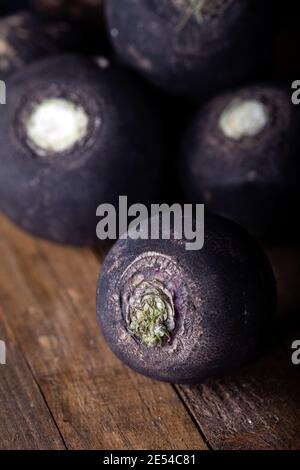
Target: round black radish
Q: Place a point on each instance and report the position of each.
(183, 316)
(74, 10)
(241, 158)
(75, 134)
(25, 38)
(192, 47)
(85, 17)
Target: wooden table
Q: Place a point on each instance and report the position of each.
(62, 387)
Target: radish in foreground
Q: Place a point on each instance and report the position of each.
(183, 316)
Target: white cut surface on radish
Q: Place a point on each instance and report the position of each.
(243, 118)
(56, 125)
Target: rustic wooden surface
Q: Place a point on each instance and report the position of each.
(62, 388)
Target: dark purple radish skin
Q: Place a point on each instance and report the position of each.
(86, 16)
(77, 10)
(25, 38)
(212, 309)
(75, 134)
(190, 50)
(241, 159)
(23, 41)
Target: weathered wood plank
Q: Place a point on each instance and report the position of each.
(259, 406)
(25, 421)
(49, 294)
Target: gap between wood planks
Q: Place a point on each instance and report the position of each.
(46, 403)
(47, 298)
(23, 410)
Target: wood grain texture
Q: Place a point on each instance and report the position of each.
(25, 421)
(48, 297)
(259, 406)
(68, 389)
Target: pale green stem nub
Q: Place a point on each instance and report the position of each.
(151, 314)
(194, 8)
(197, 9)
